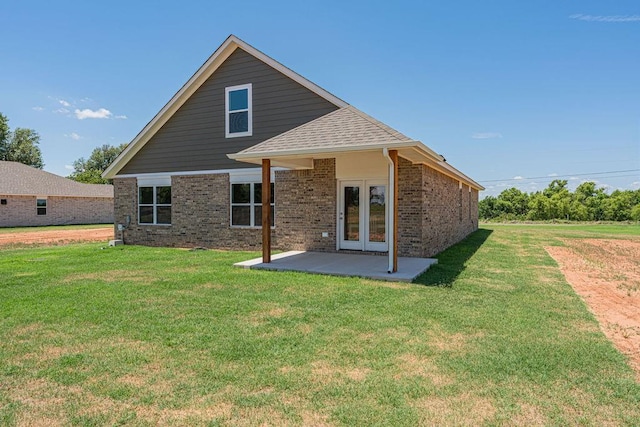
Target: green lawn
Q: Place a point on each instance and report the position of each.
(144, 336)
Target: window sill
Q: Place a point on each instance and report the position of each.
(154, 225)
(238, 135)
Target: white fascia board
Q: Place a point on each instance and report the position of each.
(460, 175)
(442, 167)
(306, 152)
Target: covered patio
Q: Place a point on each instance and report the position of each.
(343, 264)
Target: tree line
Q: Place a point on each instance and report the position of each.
(22, 145)
(19, 145)
(556, 202)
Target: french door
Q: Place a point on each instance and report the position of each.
(362, 219)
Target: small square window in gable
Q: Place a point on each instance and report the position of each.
(3, 201)
(238, 111)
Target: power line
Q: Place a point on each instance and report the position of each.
(563, 176)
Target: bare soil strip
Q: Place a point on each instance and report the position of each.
(606, 274)
(56, 236)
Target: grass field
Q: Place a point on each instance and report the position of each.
(143, 336)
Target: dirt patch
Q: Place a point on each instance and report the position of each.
(56, 236)
(463, 410)
(413, 365)
(606, 274)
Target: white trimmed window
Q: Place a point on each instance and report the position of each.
(238, 111)
(41, 206)
(154, 205)
(246, 204)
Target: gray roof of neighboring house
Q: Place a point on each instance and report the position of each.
(19, 179)
(345, 127)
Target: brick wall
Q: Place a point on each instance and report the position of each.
(199, 214)
(306, 207)
(21, 211)
(410, 208)
(432, 216)
(446, 218)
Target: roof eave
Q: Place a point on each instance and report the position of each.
(293, 158)
(253, 156)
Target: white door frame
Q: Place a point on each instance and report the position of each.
(363, 244)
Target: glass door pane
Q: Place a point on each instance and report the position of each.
(377, 217)
(351, 213)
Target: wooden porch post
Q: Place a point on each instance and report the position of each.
(393, 154)
(266, 210)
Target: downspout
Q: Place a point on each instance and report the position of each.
(391, 198)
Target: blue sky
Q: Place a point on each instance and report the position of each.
(505, 90)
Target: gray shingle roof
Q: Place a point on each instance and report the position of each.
(345, 127)
(19, 179)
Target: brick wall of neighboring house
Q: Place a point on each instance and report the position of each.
(306, 207)
(21, 211)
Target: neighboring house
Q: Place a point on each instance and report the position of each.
(30, 197)
(339, 179)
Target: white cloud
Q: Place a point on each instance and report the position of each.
(606, 18)
(73, 136)
(635, 184)
(69, 167)
(486, 135)
(61, 111)
(64, 103)
(518, 177)
(120, 117)
(37, 108)
(87, 113)
(553, 174)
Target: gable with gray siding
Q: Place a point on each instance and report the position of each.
(194, 137)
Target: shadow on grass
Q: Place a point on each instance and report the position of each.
(451, 262)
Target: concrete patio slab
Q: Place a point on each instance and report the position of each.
(340, 264)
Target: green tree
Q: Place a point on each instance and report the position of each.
(21, 145)
(619, 205)
(539, 207)
(516, 202)
(487, 208)
(90, 170)
(4, 135)
(592, 198)
(635, 212)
